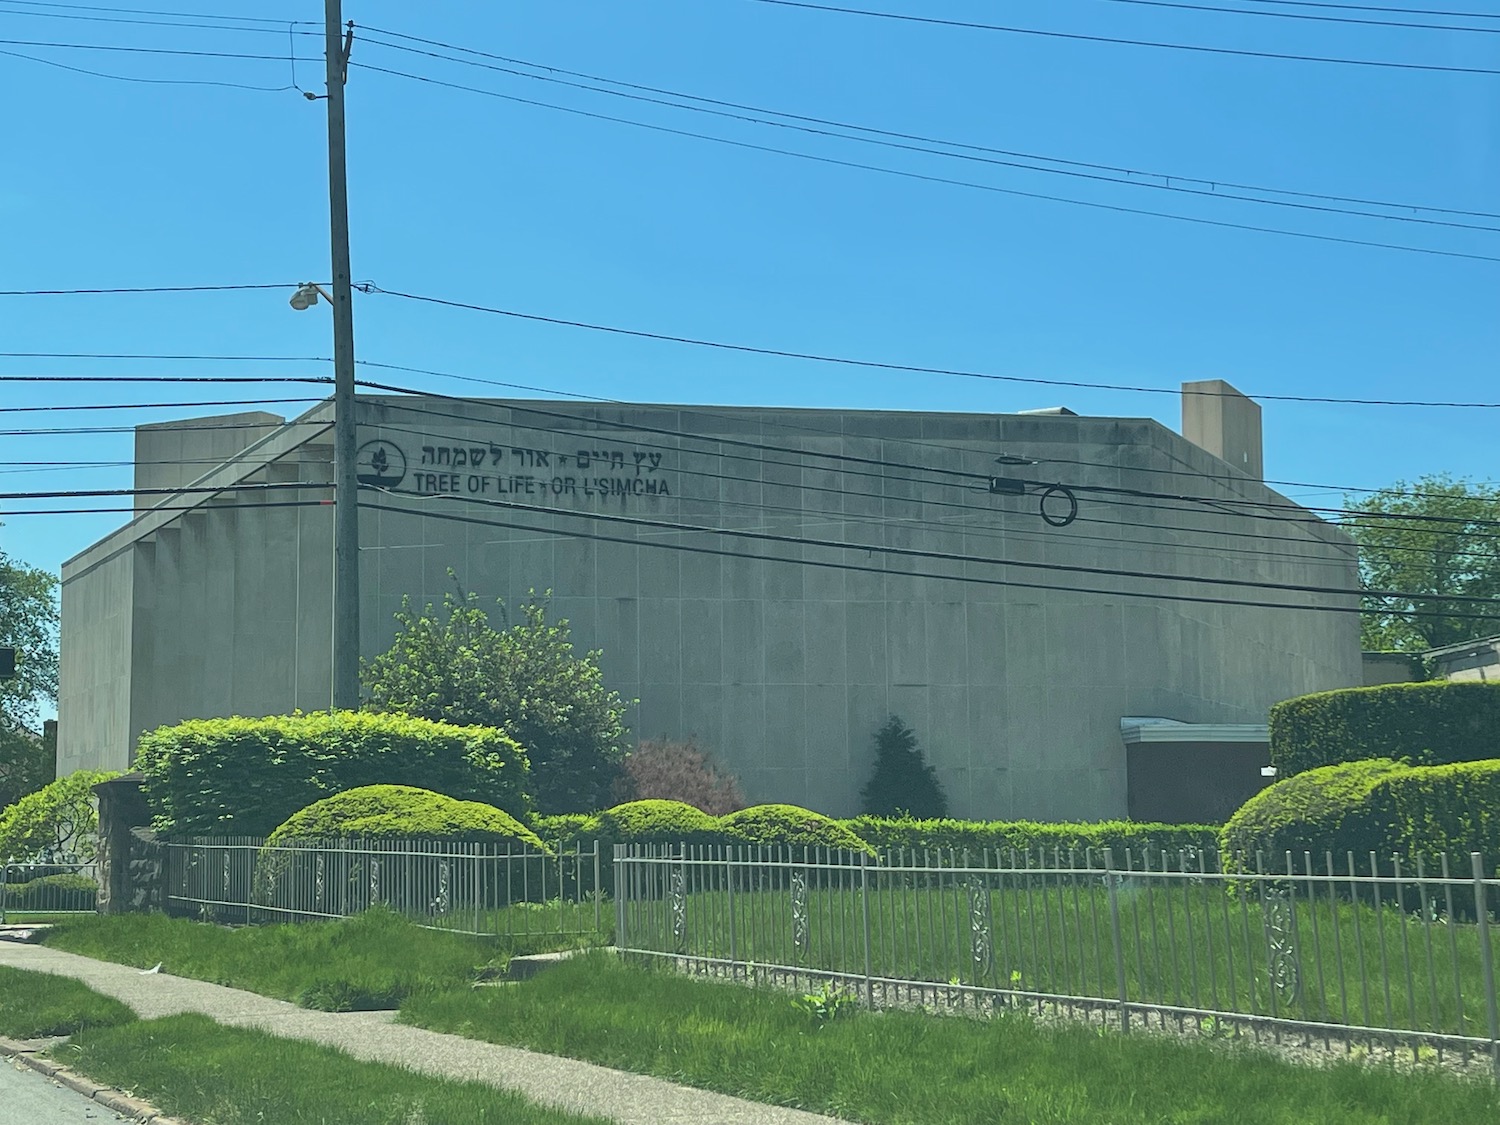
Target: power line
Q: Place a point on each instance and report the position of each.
(1182, 5)
(1120, 41)
(709, 412)
(1190, 503)
(151, 405)
(1377, 8)
(53, 431)
(882, 365)
(187, 489)
(221, 507)
(13, 8)
(165, 379)
(149, 12)
(1114, 208)
(172, 357)
(145, 81)
(1100, 173)
(122, 49)
(871, 548)
(142, 289)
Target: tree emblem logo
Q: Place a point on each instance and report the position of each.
(380, 463)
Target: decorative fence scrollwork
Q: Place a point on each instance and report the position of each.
(677, 899)
(981, 947)
(1283, 970)
(799, 913)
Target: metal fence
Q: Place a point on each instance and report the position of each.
(1347, 950)
(466, 888)
(32, 890)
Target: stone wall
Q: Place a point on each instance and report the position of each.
(132, 864)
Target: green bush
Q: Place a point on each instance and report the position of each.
(57, 820)
(1034, 838)
(384, 812)
(567, 830)
(1428, 723)
(245, 776)
(1452, 809)
(789, 826)
(52, 892)
(657, 821)
(1328, 809)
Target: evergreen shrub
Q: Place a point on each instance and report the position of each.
(239, 776)
(901, 780)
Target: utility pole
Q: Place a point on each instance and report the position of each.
(345, 425)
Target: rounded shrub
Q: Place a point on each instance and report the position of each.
(656, 821)
(381, 870)
(1428, 723)
(384, 812)
(237, 776)
(1328, 809)
(789, 826)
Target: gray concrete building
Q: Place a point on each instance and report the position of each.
(772, 582)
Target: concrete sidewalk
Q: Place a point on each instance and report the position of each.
(580, 1087)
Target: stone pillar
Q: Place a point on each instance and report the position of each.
(123, 816)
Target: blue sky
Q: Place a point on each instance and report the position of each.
(485, 200)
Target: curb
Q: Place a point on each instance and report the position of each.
(116, 1101)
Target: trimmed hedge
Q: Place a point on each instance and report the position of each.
(1428, 723)
(383, 812)
(893, 833)
(1453, 808)
(1332, 808)
(1026, 837)
(238, 776)
(52, 892)
(791, 826)
(657, 821)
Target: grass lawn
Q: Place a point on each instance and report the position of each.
(190, 1067)
(1183, 944)
(906, 1068)
(35, 1005)
(371, 961)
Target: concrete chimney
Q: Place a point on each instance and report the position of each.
(1219, 419)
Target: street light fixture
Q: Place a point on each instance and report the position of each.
(307, 295)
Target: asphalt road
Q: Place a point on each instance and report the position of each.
(29, 1098)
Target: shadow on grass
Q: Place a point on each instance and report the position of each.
(372, 961)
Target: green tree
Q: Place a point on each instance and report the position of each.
(27, 763)
(526, 679)
(28, 623)
(55, 823)
(1430, 540)
(902, 782)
